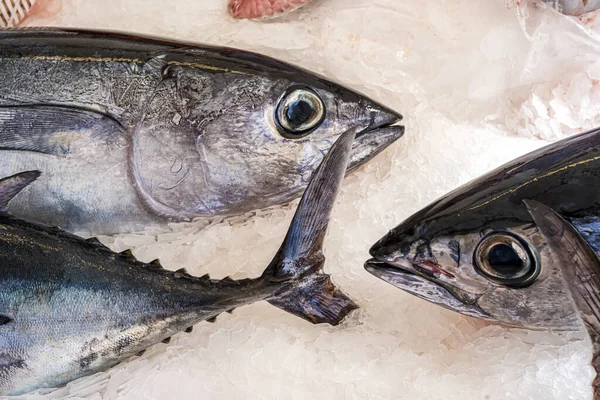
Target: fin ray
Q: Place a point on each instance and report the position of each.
(51, 129)
(300, 259)
(13, 185)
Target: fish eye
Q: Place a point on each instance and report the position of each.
(506, 259)
(299, 112)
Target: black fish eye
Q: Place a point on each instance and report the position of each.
(506, 259)
(299, 112)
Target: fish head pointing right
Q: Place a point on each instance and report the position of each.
(246, 132)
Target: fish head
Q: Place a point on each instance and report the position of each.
(253, 137)
(481, 255)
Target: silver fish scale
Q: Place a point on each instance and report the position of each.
(12, 12)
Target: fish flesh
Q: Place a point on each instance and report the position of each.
(132, 132)
(574, 7)
(257, 9)
(518, 246)
(104, 307)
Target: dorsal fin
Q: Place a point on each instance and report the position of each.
(228, 279)
(126, 253)
(181, 273)
(13, 185)
(94, 240)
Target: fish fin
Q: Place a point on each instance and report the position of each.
(580, 269)
(13, 185)
(316, 300)
(51, 129)
(300, 259)
(126, 254)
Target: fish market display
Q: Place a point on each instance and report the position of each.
(131, 132)
(71, 307)
(254, 9)
(518, 246)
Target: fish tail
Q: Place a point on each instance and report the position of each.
(305, 290)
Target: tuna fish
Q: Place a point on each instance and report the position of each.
(131, 132)
(71, 307)
(518, 246)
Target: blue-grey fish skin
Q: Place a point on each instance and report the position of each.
(74, 308)
(71, 307)
(132, 132)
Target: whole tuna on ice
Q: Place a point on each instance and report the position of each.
(518, 246)
(71, 307)
(131, 132)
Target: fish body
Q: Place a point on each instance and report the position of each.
(131, 132)
(71, 307)
(479, 251)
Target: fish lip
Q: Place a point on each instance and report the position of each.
(383, 130)
(420, 286)
(378, 267)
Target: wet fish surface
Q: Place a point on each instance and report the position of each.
(518, 246)
(130, 132)
(71, 307)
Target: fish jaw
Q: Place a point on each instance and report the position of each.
(408, 279)
(385, 130)
(258, 9)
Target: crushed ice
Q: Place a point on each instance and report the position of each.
(479, 83)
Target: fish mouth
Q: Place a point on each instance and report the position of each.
(407, 278)
(383, 130)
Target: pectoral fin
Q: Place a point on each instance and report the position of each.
(580, 268)
(52, 129)
(13, 185)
